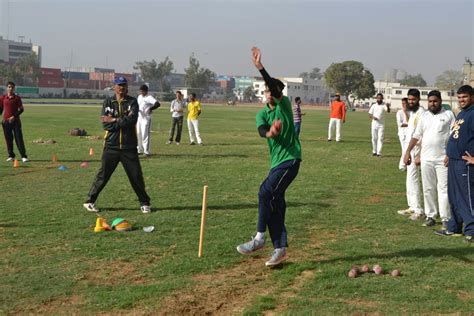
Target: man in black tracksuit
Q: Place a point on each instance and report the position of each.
(119, 118)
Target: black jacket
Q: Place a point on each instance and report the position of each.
(122, 133)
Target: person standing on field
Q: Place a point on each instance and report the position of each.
(177, 111)
(119, 118)
(12, 108)
(297, 115)
(402, 125)
(337, 116)
(146, 104)
(377, 114)
(194, 111)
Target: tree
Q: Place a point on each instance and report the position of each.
(155, 73)
(413, 81)
(249, 94)
(366, 87)
(449, 80)
(198, 77)
(25, 71)
(314, 74)
(349, 77)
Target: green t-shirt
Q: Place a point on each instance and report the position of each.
(286, 146)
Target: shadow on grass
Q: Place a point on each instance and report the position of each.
(211, 207)
(186, 155)
(458, 253)
(65, 160)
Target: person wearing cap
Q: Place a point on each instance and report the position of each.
(337, 117)
(459, 152)
(275, 124)
(377, 115)
(194, 110)
(177, 107)
(12, 108)
(146, 104)
(119, 118)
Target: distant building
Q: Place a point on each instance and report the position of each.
(241, 83)
(468, 71)
(394, 93)
(311, 91)
(11, 51)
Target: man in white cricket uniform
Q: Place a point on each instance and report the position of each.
(434, 128)
(146, 104)
(377, 114)
(413, 172)
(402, 125)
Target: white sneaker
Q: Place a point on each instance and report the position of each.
(24, 159)
(405, 212)
(10, 159)
(177, 143)
(168, 142)
(91, 207)
(278, 256)
(145, 209)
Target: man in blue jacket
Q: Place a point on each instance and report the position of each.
(461, 175)
(119, 118)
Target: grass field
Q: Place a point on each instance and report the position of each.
(341, 212)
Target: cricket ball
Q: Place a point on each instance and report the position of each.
(352, 274)
(365, 268)
(395, 273)
(377, 269)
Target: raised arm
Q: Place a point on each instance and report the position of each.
(271, 84)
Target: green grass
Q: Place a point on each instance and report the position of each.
(341, 211)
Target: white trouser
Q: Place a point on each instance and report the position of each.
(377, 137)
(435, 189)
(404, 146)
(143, 135)
(193, 125)
(413, 186)
(335, 123)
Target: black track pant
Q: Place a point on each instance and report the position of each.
(131, 164)
(13, 130)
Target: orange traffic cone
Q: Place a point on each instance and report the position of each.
(16, 164)
(54, 158)
(99, 225)
(91, 151)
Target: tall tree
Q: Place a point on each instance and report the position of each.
(449, 80)
(198, 77)
(249, 94)
(25, 71)
(155, 73)
(366, 87)
(349, 77)
(314, 74)
(414, 81)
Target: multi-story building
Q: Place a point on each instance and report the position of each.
(394, 92)
(311, 91)
(11, 51)
(241, 83)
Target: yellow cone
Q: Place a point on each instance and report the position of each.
(16, 164)
(99, 225)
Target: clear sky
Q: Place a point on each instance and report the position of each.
(418, 36)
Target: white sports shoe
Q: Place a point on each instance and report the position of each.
(9, 159)
(24, 159)
(91, 207)
(278, 256)
(145, 209)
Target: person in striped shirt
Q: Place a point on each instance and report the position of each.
(297, 115)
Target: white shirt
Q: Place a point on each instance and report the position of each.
(434, 129)
(402, 119)
(378, 111)
(177, 106)
(144, 105)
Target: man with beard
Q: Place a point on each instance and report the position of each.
(413, 173)
(461, 175)
(433, 127)
(377, 114)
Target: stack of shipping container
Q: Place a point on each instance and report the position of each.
(50, 78)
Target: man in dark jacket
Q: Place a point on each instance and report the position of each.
(119, 118)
